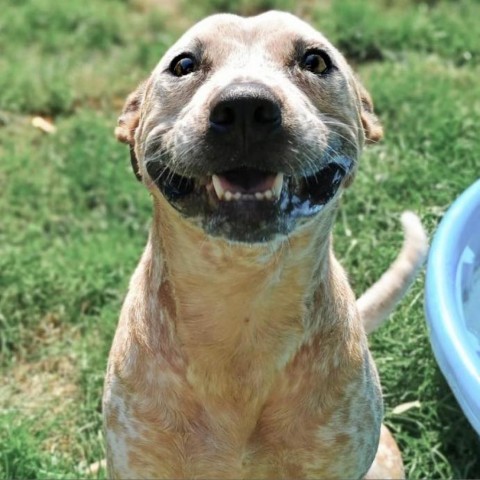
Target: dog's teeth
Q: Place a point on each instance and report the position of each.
(278, 185)
(228, 196)
(217, 185)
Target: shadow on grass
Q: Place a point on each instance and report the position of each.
(459, 441)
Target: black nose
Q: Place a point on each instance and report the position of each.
(250, 112)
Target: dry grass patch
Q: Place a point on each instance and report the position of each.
(46, 392)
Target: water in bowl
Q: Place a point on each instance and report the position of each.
(468, 288)
(471, 306)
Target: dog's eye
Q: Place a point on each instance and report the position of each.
(317, 62)
(182, 65)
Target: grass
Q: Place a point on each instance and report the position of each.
(74, 219)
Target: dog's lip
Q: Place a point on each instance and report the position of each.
(251, 189)
(259, 185)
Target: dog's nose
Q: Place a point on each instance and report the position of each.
(249, 111)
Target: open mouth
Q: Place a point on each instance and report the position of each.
(248, 184)
(248, 204)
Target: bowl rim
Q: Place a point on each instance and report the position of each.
(451, 345)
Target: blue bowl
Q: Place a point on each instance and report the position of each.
(452, 300)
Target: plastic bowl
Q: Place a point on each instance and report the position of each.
(452, 300)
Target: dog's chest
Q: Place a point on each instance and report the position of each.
(303, 428)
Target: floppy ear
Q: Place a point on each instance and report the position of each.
(128, 123)
(373, 131)
(371, 125)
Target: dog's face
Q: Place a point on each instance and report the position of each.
(249, 126)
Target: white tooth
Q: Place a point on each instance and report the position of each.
(228, 196)
(278, 185)
(259, 195)
(268, 194)
(217, 185)
(237, 196)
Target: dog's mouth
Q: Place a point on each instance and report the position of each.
(247, 204)
(252, 185)
(244, 184)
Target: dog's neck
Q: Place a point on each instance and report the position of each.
(237, 307)
(231, 282)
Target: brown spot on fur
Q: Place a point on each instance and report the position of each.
(166, 298)
(111, 419)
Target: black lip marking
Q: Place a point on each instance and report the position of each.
(322, 186)
(174, 186)
(251, 220)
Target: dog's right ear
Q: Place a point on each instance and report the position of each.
(128, 123)
(371, 125)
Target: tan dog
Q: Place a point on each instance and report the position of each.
(240, 352)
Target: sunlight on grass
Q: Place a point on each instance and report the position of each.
(74, 219)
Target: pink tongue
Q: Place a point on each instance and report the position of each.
(247, 183)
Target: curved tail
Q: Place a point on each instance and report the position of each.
(380, 299)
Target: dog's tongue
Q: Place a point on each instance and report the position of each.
(244, 180)
(247, 184)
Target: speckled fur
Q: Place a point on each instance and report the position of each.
(233, 360)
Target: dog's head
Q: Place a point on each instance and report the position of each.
(249, 126)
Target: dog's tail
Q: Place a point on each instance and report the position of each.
(380, 299)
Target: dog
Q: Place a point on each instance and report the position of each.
(241, 351)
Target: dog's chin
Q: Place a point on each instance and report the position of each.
(249, 205)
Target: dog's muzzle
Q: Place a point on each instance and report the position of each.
(246, 189)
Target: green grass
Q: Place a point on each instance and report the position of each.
(74, 219)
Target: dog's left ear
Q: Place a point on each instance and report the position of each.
(372, 128)
(371, 125)
(128, 123)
